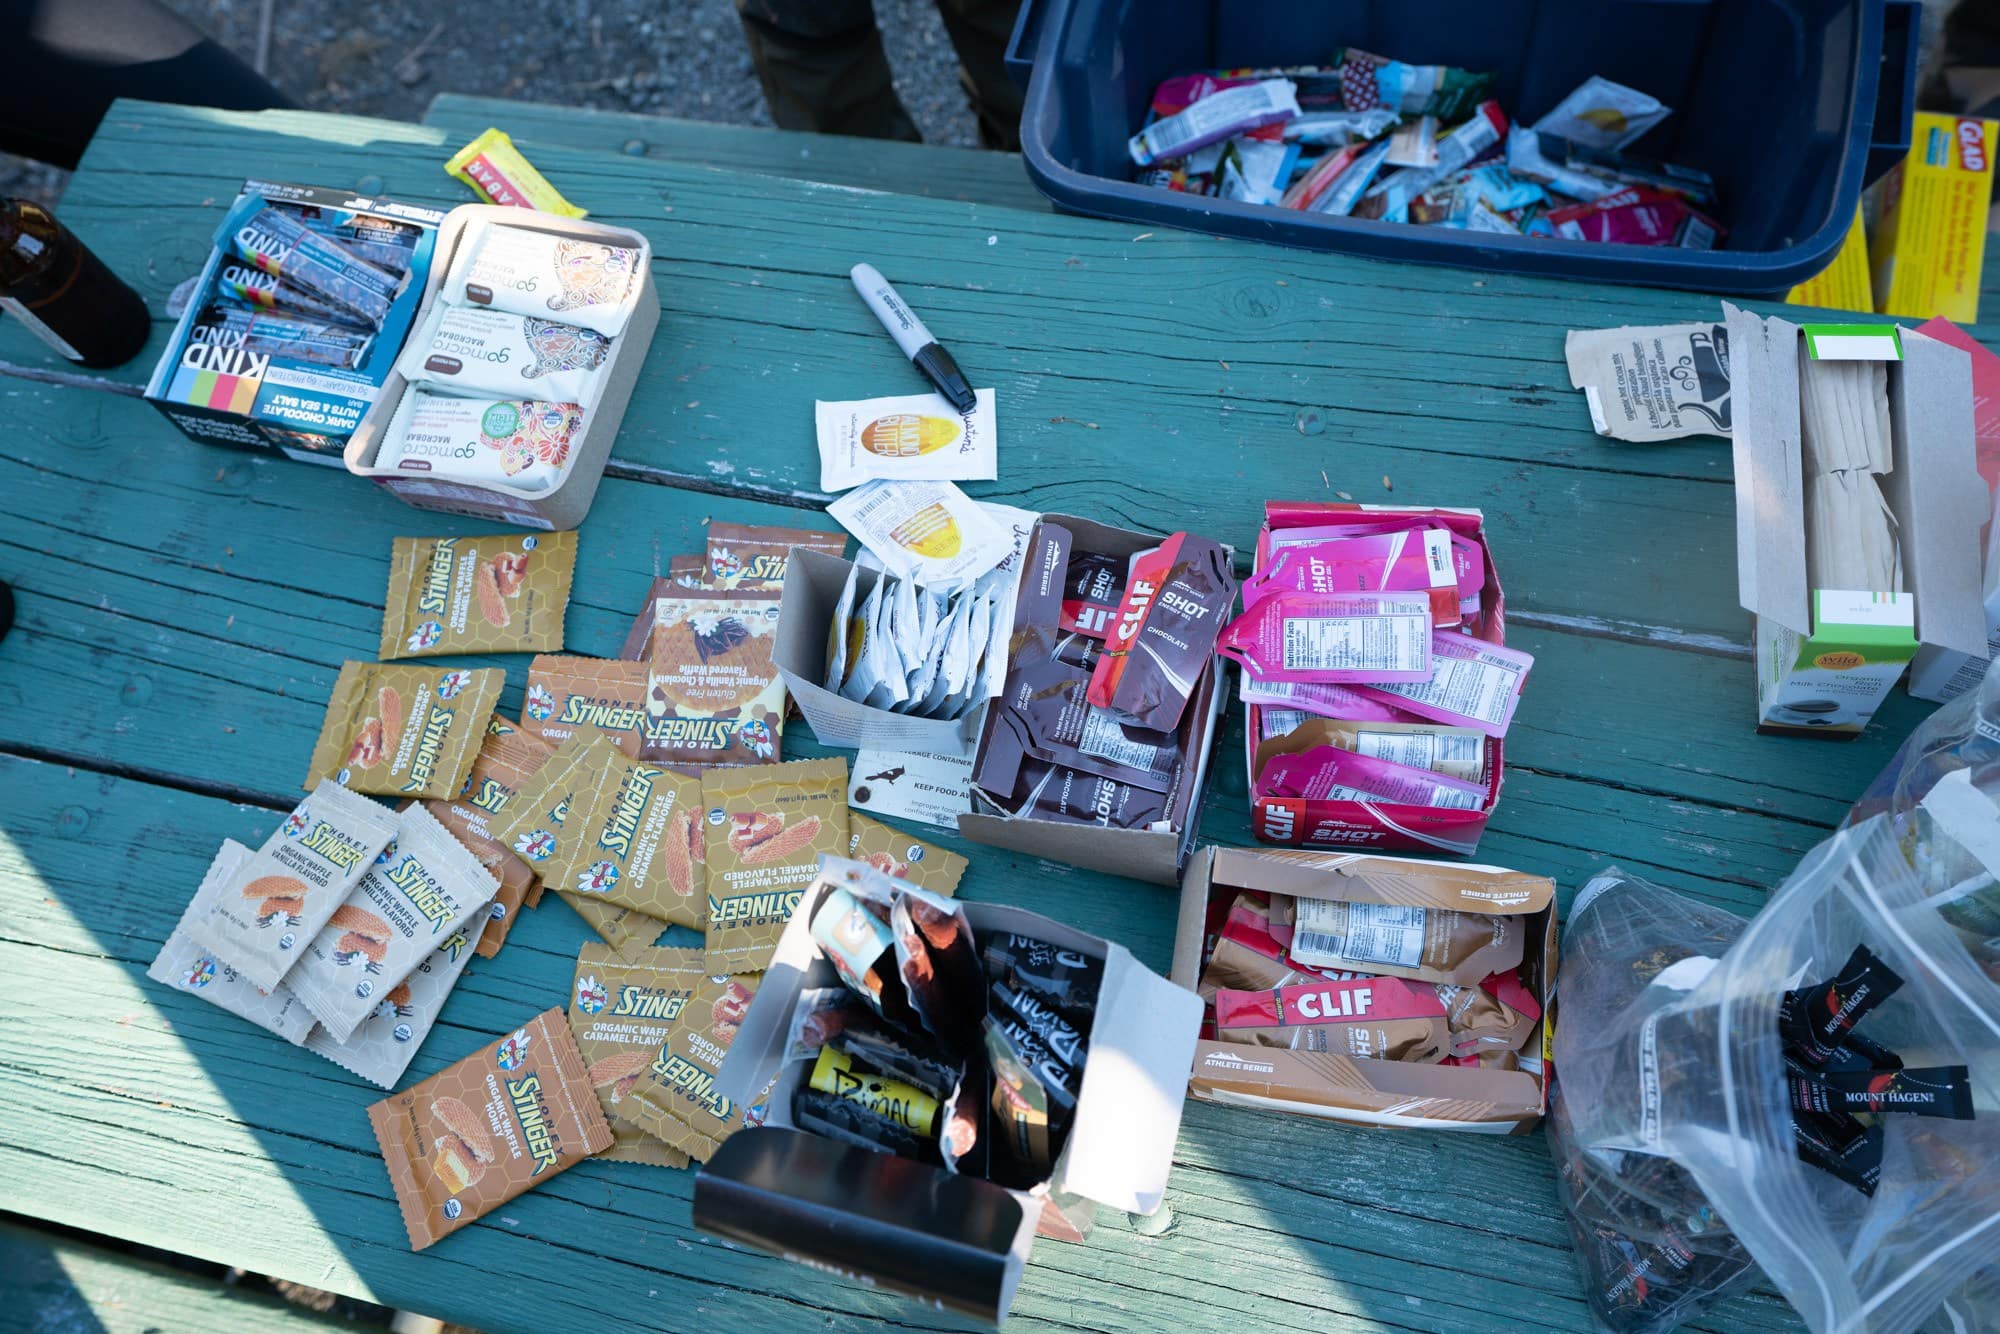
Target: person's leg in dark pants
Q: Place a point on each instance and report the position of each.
(979, 31)
(63, 62)
(823, 67)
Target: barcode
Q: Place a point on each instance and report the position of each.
(1318, 942)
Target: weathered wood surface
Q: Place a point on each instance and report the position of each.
(184, 610)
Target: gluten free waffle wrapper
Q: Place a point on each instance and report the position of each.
(423, 888)
(383, 1045)
(621, 1011)
(404, 730)
(189, 966)
(478, 1133)
(497, 593)
(713, 694)
(284, 892)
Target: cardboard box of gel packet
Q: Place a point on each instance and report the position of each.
(1156, 854)
(268, 402)
(1826, 658)
(1361, 1091)
(813, 583)
(956, 1241)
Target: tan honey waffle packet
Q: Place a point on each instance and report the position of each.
(674, 1099)
(404, 729)
(421, 889)
(767, 828)
(638, 842)
(568, 693)
(621, 1010)
(499, 593)
(507, 759)
(476, 1134)
(742, 555)
(534, 823)
(713, 695)
(281, 896)
(188, 966)
(893, 852)
(628, 932)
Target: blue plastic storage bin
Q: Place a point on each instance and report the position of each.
(1792, 105)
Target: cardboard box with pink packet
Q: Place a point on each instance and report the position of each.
(1376, 679)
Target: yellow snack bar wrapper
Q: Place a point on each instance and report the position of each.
(498, 174)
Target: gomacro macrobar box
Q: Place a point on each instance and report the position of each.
(296, 319)
(1062, 1083)
(1339, 933)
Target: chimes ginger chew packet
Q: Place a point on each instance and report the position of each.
(501, 593)
(476, 1134)
(404, 730)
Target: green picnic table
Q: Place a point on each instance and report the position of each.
(183, 611)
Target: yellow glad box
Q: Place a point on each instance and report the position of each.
(1930, 232)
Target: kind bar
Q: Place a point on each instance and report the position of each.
(713, 695)
(675, 1098)
(1472, 684)
(404, 731)
(498, 174)
(566, 694)
(921, 437)
(1821, 1017)
(628, 933)
(492, 354)
(1328, 773)
(518, 443)
(281, 245)
(500, 593)
(422, 889)
(640, 843)
(1944, 1090)
(536, 823)
(1429, 944)
(190, 967)
(1333, 638)
(741, 554)
(281, 897)
(506, 760)
(383, 1044)
(928, 532)
(895, 853)
(621, 1012)
(767, 828)
(1380, 1018)
(1176, 599)
(478, 1133)
(252, 288)
(527, 272)
(298, 337)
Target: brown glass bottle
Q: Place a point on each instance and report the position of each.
(62, 293)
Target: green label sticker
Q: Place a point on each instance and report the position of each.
(500, 421)
(1853, 342)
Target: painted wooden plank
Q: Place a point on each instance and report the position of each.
(1197, 361)
(933, 170)
(134, 1101)
(60, 1285)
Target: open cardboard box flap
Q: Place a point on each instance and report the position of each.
(1933, 489)
(833, 1212)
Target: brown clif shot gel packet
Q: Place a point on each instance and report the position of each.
(569, 693)
(501, 593)
(478, 1133)
(424, 887)
(767, 828)
(281, 896)
(506, 760)
(404, 729)
(1163, 638)
(621, 1011)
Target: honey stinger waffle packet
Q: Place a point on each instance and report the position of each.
(674, 1099)
(478, 1133)
(568, 693)
(742, 555)
(187, 966)
(534, 823)
(500, 593)
(767, 828)
(713, 695)
(404, 730)
(507, 759)
(621, 1011)
(639, 842)
(383, 1045)
(893, 852)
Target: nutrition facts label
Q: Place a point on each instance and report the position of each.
(1455, 755)
(1392, 642)
(1481, 687)
(1103, 738)
(1330, 934)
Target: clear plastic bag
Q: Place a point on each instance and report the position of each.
(1671, 1124)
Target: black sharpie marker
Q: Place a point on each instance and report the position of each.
(924, 351)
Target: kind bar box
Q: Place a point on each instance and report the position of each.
(1362, 1090)
(1930, 224)
(1384, 826)
(1154, 852)
(260, 360)
(956, 1241)
(551, 504)
(1827, 657)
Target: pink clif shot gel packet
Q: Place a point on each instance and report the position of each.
(1343, 637)
(1329, 701)
(1328, 773)
(1474, 684)
(1409, 560)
